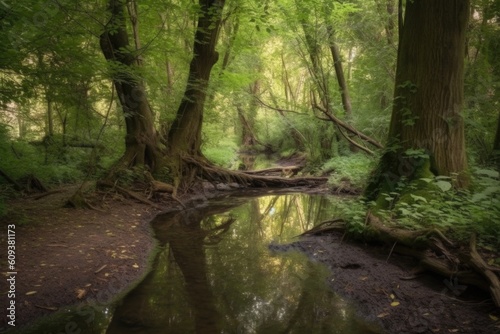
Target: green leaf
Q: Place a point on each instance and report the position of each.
(418, 198)
(488, 172)
(444, 185)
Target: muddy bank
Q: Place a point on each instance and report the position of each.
(387, 292)
(67, 256)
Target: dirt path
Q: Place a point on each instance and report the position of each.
(68, 256)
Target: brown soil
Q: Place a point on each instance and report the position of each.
(387, 292)
(67, 256)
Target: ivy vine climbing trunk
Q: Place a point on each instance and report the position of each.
(184, 136)
(141, 140)
(426, 133)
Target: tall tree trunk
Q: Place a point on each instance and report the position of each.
(185, 133)
(428, 95)
(339, 71)
(141, 138)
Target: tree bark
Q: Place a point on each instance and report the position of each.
(141, 138)
(428, 94)
(185, 133)
(337, 63)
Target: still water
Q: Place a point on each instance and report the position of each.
(214, 273)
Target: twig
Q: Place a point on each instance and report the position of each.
(56, 191)
(100, 269)
(390, 253)
(50, 308)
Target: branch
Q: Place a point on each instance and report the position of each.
(280, 110)
(346, 126)
(365, 149)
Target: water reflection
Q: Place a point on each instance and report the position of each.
(215, 274)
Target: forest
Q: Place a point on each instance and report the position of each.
(393, 103)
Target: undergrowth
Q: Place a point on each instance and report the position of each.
(457, 213)
(53, 162)
(354, 167)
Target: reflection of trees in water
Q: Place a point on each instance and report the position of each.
(215, 274)
(141, 310)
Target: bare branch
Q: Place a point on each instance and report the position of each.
(346, 126)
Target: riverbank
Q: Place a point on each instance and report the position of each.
(65, 256)
(68, 256)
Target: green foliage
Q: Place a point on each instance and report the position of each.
(354, 167)
(223, 155)
(3, 207)
(220, 150)
(460, 213)
(457, 214)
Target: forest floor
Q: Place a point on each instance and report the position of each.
(67, 256)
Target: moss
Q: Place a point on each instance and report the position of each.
(402, 173)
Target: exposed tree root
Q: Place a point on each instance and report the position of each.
(332, 225)
(420, 239)
(434, 251)
(480, 266)
(128, 193)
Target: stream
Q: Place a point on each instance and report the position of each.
(214, 272)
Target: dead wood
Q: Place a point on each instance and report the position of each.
(332, 225)
(217, 174)
(432, 248)
(481, 267)
(288, 170)
(348, 127)
(48, 193)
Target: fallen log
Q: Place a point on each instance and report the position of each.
(288, 170)
(217, 174)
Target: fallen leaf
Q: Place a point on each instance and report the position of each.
(80, 293)
(30, 293)
(392, 296)
(135, 265)
(492, 317)
(381, 315)
(394, 304)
